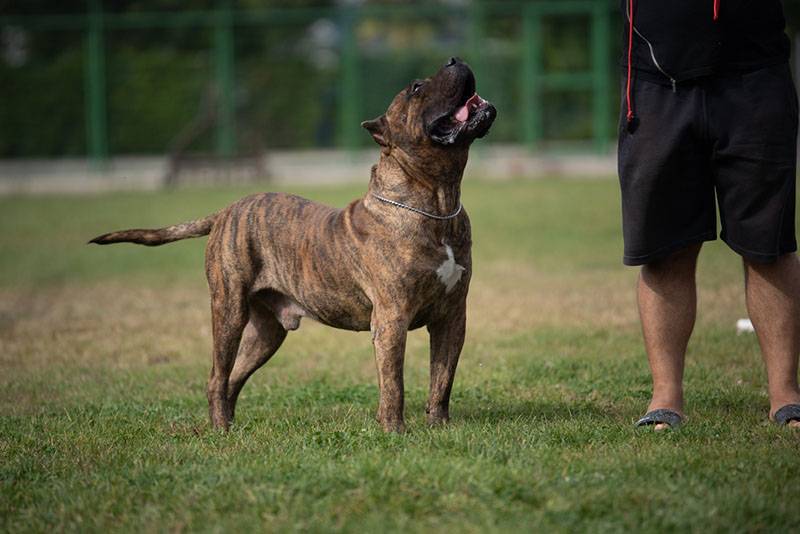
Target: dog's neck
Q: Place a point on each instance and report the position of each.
(435, 189)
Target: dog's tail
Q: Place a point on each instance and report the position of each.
(160, 236)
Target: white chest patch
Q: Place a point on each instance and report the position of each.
(449, 272)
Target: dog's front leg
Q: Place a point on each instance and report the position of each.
(447, 339)
(389, 331)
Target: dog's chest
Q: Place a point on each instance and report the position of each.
(449, 272)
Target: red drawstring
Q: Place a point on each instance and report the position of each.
(630, 52)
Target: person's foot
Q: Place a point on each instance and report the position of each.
(784, 408)
(671, 400)
(661, 418)
(664, 426)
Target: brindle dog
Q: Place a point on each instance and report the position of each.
(396, 259)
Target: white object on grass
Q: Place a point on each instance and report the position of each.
(744, 326)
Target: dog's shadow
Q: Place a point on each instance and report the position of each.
(472, 409)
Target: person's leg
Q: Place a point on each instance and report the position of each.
(667, 308)
(668, 211)
(753, 120)
(773, 302)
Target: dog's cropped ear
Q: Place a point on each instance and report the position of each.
(378, 129)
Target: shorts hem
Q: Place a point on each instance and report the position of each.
(759, 257)
(665, 251)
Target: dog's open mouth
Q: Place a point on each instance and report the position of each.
(473, 104)
(466, 122)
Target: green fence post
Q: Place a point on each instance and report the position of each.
(601, 76)
(477, 17)
(349, 94)
(224, 74)
(95, 86)
(532, 129)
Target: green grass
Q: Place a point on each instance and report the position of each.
(104, 354)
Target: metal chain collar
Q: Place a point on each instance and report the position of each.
(417, 210)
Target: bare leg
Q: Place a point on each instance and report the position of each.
(261, 339)
(447, 339)
(773, 302)
(667, 308)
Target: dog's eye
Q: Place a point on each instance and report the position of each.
(416, 86)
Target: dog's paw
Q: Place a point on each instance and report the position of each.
(394, 427)
(438, 418)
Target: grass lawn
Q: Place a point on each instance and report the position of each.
(104, 353)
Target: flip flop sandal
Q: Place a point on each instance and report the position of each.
(673, 419)
(790, 412)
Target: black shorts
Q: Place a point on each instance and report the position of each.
(733, 135)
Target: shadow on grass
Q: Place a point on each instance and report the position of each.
(546, 411)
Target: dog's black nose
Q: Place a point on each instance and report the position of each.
(452, 61)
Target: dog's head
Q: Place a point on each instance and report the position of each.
(439, 113)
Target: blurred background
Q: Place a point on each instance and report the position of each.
(157, 92)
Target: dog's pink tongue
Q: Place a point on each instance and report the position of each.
(463, 113)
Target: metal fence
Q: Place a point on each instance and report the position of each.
(309, 76)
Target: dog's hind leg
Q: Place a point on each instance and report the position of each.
(229, 315)
(262, 337)
(447, 339)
